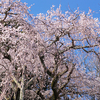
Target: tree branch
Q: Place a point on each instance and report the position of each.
(40, 94)
(17, 83)
(54, 87)
(76, 47)
(68, 78)
(41, 56)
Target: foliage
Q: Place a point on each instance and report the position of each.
(47, 57)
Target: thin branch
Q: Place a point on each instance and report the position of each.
(68, 78)
(29, 83)
(62, 73)
(93, 52)
(6, 13)
(15, 80)
(76, 47)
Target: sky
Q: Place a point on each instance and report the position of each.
(41, 6)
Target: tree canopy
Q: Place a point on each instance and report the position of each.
(52, 56)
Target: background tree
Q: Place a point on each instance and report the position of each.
(42, 57)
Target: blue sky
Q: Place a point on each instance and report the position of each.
(41, 6)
